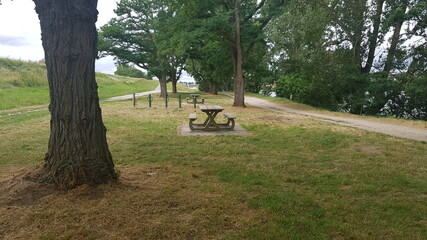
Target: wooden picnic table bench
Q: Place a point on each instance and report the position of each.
(210, 123)
(194, 99)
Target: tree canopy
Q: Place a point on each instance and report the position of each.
(358, 56)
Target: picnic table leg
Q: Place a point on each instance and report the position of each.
(191, 125)
(230, 123)
(210, 121)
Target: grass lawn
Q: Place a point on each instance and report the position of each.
(25, 84)
(291, 178)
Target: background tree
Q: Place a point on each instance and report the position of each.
(78, 152)
(210, 64)
(239, 25)
(208, 57)
(134, 37)
(307, 71)
(328, 54)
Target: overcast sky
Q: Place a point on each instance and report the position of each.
(20, 36)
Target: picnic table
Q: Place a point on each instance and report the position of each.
(194, 100)
(210, 123)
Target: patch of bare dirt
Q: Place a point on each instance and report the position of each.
(149, 202)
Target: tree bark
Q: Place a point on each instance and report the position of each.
(373, 38)
(78, 151)
(357, 36)
(174, 88)
(213, 88)
(174, 81)
(239, 86)
(163, 86)
(392, 50)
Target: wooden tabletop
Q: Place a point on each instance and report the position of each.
(195, 95)
(210, 108)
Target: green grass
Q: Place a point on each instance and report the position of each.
(315, 181)
(25, 84)
(29, 96)
(112, 85)
(301, 179)
(22, 115)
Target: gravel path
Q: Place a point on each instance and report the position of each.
(385, 128)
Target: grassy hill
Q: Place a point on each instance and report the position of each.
(25, 84)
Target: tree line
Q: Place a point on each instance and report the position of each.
(358, 56)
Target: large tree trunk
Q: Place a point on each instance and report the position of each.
(373, 38)
(163, 86)
(239, 86)
(174, 81)
(213, 88)
(393, 46)
(174, 88)
(357, 36)
(78, 151)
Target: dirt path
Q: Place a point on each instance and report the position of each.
(385, 128)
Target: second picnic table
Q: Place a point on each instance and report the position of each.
(194, 100)
(210, 124)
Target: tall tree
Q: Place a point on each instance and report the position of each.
(239, 24)
(395, 19)
(373, 36)
(78, 152)
(132, 37)
(210, 64)
(349, 18)
(307, 71)
(248, 20)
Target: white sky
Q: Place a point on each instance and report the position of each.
(20, 36)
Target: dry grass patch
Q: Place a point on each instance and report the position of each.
(150, 202)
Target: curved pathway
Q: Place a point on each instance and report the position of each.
(385, 128)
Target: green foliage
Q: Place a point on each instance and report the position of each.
(320, 49)
(141, 34)
(411, 101)
(417, 93)
(291, 87)
(130, 71)
(380, 90)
